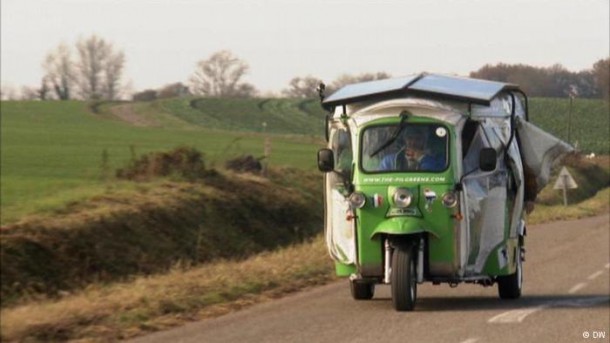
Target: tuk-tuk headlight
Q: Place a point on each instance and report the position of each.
(402, 197)
(357, 200)
(450, 199)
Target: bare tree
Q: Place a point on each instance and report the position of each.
(59, 71)
(173, 90)
(220, 76)
(8, 92)
(601, 74)
(113, 69)
(243, 90)
(92, 53)
(302, 87)
(348, 79)
(145, 95)
(29, 93)
(44, 92)
(99, 68)
(34, 93)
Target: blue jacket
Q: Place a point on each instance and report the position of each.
(398, 162)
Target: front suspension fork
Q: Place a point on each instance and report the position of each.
(387, 270)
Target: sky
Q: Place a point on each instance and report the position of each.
(281, 39)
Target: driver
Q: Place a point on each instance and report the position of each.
(413, 156)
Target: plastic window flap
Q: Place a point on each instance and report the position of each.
(540, 150)
(486, 197)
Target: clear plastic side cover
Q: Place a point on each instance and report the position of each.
(341, 146)
(339, 230)
(486, 194)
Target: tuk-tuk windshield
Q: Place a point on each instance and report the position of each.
(417, 148)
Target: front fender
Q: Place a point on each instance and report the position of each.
(402, 226)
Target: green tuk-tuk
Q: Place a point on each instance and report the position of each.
(426, 180)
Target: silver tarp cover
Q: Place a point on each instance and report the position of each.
(540, 150)
(486, 194)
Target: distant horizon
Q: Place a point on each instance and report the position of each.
(279, 40)
(326, 82)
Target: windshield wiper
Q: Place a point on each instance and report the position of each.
(403, 121)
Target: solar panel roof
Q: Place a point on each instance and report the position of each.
(450, 87)
(359, 90)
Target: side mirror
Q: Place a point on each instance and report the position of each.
(326, 160)
(487, 159)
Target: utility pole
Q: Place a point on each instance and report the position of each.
(570, 119)
(266, 149)
(572, 93)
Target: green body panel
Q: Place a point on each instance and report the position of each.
(374, 223)
(492, 266)
(401, 226)
(345, 269)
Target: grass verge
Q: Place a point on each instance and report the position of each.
(118, 311)
(598, 204)
(124, 233)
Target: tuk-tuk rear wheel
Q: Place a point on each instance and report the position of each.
(404, 279)
(509, 286)
(362, 290)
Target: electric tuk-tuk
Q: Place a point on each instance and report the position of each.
(426, 177)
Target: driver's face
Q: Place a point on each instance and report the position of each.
(414, 146)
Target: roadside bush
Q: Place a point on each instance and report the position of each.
(184, 162)
(173, 90)
(147, 95)
(591, 175)
(246, 163)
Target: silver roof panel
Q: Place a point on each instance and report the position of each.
(422, 85)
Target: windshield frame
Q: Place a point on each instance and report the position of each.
(361, 149)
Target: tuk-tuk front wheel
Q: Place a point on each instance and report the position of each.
(404, 279)
(509, 286)
(362, 290)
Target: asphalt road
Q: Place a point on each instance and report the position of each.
(566, 298)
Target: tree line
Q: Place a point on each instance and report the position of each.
(555, 81)
(93, 70)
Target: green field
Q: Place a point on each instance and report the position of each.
(279, 115)
(53, 152)
(590, 122)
